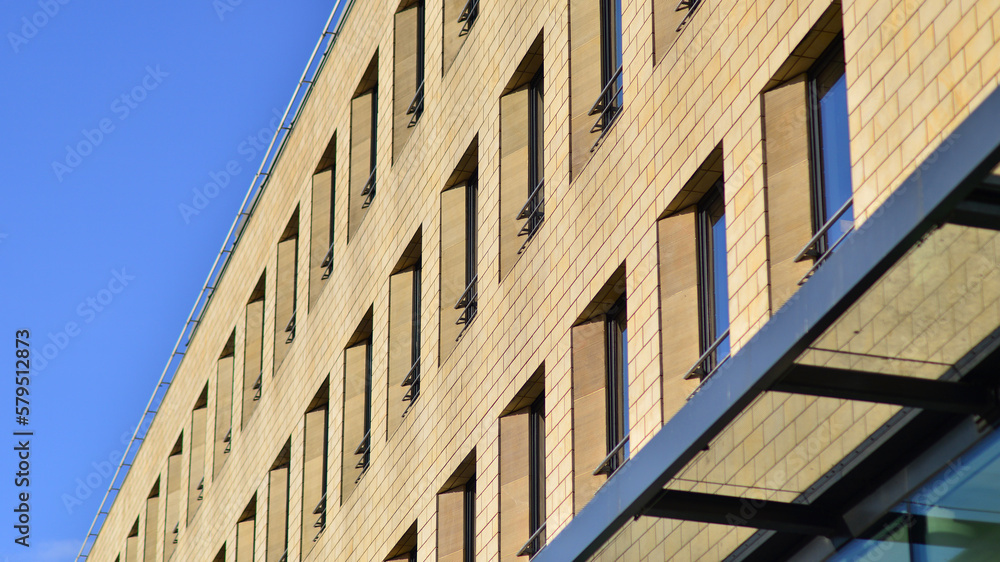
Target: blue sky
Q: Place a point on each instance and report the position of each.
(113, 113)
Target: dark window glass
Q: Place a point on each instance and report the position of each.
(415, 344)
(468, 302)
(471, 246)
(368, 191)
(617, 384)
(713, 294)
(831, 146)
(535, 209)
(536, 470)
(368, 386)
(611, 52)
(366, 442)
(416, 108)
(611, 59)
(420, 60)
(469, 528)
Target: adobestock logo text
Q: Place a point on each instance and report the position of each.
(122, 106)
(30, 25)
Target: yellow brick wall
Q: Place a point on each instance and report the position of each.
(914, 70)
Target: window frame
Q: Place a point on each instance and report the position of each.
(368, 190)
(412, 379)
(469, 519)
(469, 301)
(822, 218)
(289, 326)
(415, 337)
(366, 442)
(709, 336)
(249, 407)
(611, 40)
(611, 100)
(616, 369)
(536, 475)
(533, 211)
(321, 510)
(417, 105)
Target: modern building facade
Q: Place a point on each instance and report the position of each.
(604, 279)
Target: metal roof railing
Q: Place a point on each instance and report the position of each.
(331, 31)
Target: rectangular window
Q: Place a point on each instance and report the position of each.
(600, 379)
(223, 407)
(286, 294)
(456, 514)
(713, 286)
(357, 407)
(693, 288)
(416, 107)
(412, 379)
(617, 388)
(196, 470)
(314, 471)
(536, 476)
(609, 103)
(522, 472)
(806, 142)
(408, 70)
(830, 144)
(253, 357)
(246, 530)
(469, 526)
(172, 527)
(404, 338)
(277, 509)
(533, 211)
(468, 302)
(132, 544)
(152, 524)
(522, 192)
(596, 75)
(321, 223)
(364, 148)
(459, 239)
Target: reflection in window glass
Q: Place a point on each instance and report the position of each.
(618, 52)
(833, 139)
(954, 517)
(713, 276)
(720, 287)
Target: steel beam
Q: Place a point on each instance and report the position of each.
(941, 396)
(981, 209)
(745, 512)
